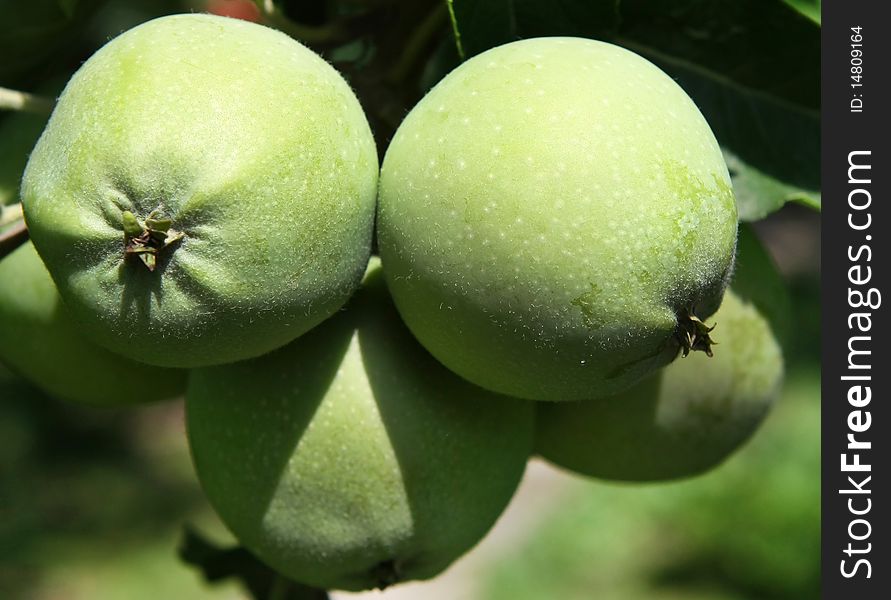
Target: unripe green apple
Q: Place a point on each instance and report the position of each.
(204, 191)
(39, 340)
(351, 459)
(682, 421)
(554, 218)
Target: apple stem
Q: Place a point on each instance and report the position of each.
(23, 101)
(455, 31)
(331, 34)
(414, 48)
(12, 238)
(10, 214)
(13, 231)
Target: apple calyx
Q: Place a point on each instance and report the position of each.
(145, 240)
(693, 335)
(386, 573)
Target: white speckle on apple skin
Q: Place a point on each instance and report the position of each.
(608, 189)
(693, 414)
(255, 147)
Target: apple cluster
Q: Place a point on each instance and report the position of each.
(556, 234)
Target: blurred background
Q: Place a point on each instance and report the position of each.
(93, 502)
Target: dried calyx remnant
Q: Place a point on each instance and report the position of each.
(386, 573)
(693, 334)
(147, 239)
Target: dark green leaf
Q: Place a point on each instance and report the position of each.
(443, 59)
(758, 194)
(757, 280)
(809, 8)
(484, 24)
(763, 45)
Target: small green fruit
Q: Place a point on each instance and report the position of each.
(553, 217)
(204, 191)
(351, 459)
(39, 340)
(680, 422)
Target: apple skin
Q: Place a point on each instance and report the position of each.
(39, 340)
(549, 213)
(257, 150)
(680, 422)
(350, 459)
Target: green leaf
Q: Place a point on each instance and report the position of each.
(757, 280)
(758, 194)
(812, 200)
(809, 8)
(761, 45)
(483, 24)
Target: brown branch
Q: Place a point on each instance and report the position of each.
(12, 238)
(16, 100)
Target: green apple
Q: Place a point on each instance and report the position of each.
(351, 459)
(39, 340)
(555, 217)
(682, 421)
(204, 191)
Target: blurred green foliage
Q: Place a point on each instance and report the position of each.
(86, 487)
